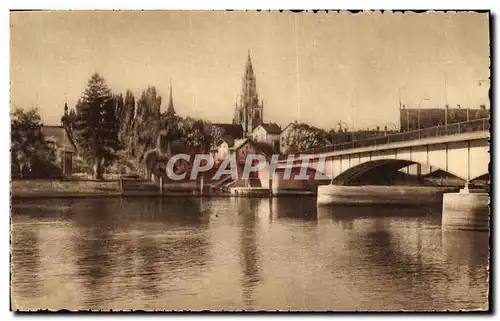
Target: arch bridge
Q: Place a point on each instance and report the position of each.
(460, 149)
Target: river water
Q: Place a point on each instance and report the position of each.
(240, 254)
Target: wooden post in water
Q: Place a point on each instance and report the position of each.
(161, 185)
(201, 185)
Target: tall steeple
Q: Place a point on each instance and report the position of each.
(248, 111)
(65, 104)
(249, 68)
(170, 108)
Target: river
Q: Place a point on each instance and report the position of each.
(240, 254)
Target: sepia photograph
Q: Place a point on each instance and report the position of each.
(266, 160)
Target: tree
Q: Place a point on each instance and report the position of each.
(96, 127)
(197, 134)
(26, 137)
(118, 100)
(146, 123)
(303, 137)
(31, 156)
(71, 118)
(217, 133)
(127, 118)
(148, 106)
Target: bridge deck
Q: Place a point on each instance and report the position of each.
(473, 126)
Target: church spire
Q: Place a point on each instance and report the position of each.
(249, 68)
(65, 104)
(248, 111)
(64, 118)
(170, 108)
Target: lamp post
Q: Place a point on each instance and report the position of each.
(351, 120)
(407, 118)
(399, 115)
(418, 112)
(483, 81)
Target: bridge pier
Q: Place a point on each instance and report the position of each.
(380, 195)
(466, 210)
(420, 180)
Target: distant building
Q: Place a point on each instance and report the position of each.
(231, 133)
(246, 146)
(61, 139)
(249, 111)
(431, 117)
(269, 134)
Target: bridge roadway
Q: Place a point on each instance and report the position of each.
(461, 149)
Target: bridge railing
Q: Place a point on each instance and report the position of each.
(475, 125)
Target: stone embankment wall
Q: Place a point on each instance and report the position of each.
(43, 187)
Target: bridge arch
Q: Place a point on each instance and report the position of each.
(381, 167)
(485, 176)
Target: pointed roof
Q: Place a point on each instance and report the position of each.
(60, 136)
(249, 68)
(170, 108)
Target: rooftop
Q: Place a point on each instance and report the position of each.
(60, 136)
(271, 128)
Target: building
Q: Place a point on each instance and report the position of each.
(269, 134)
(241, 149)
(61, 139)
(431, 117)
(222, 151)
(249, 111)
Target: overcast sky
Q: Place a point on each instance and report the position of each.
(315, 68)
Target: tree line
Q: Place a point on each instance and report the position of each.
(109, 127)
(31, 154)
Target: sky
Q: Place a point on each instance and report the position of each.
(318, 68)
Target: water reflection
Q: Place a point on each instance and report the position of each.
(94, 248)
(466, 253)
(347, 212)
(294, 208)
(248, 216)
(239, 253)
(25, 268)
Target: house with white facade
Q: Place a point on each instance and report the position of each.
(267, 133)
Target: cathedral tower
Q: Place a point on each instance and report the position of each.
(170, 108)
(248, 111)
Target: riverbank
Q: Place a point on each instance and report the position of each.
(49, 188)
(45, 188)
(40, 188)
